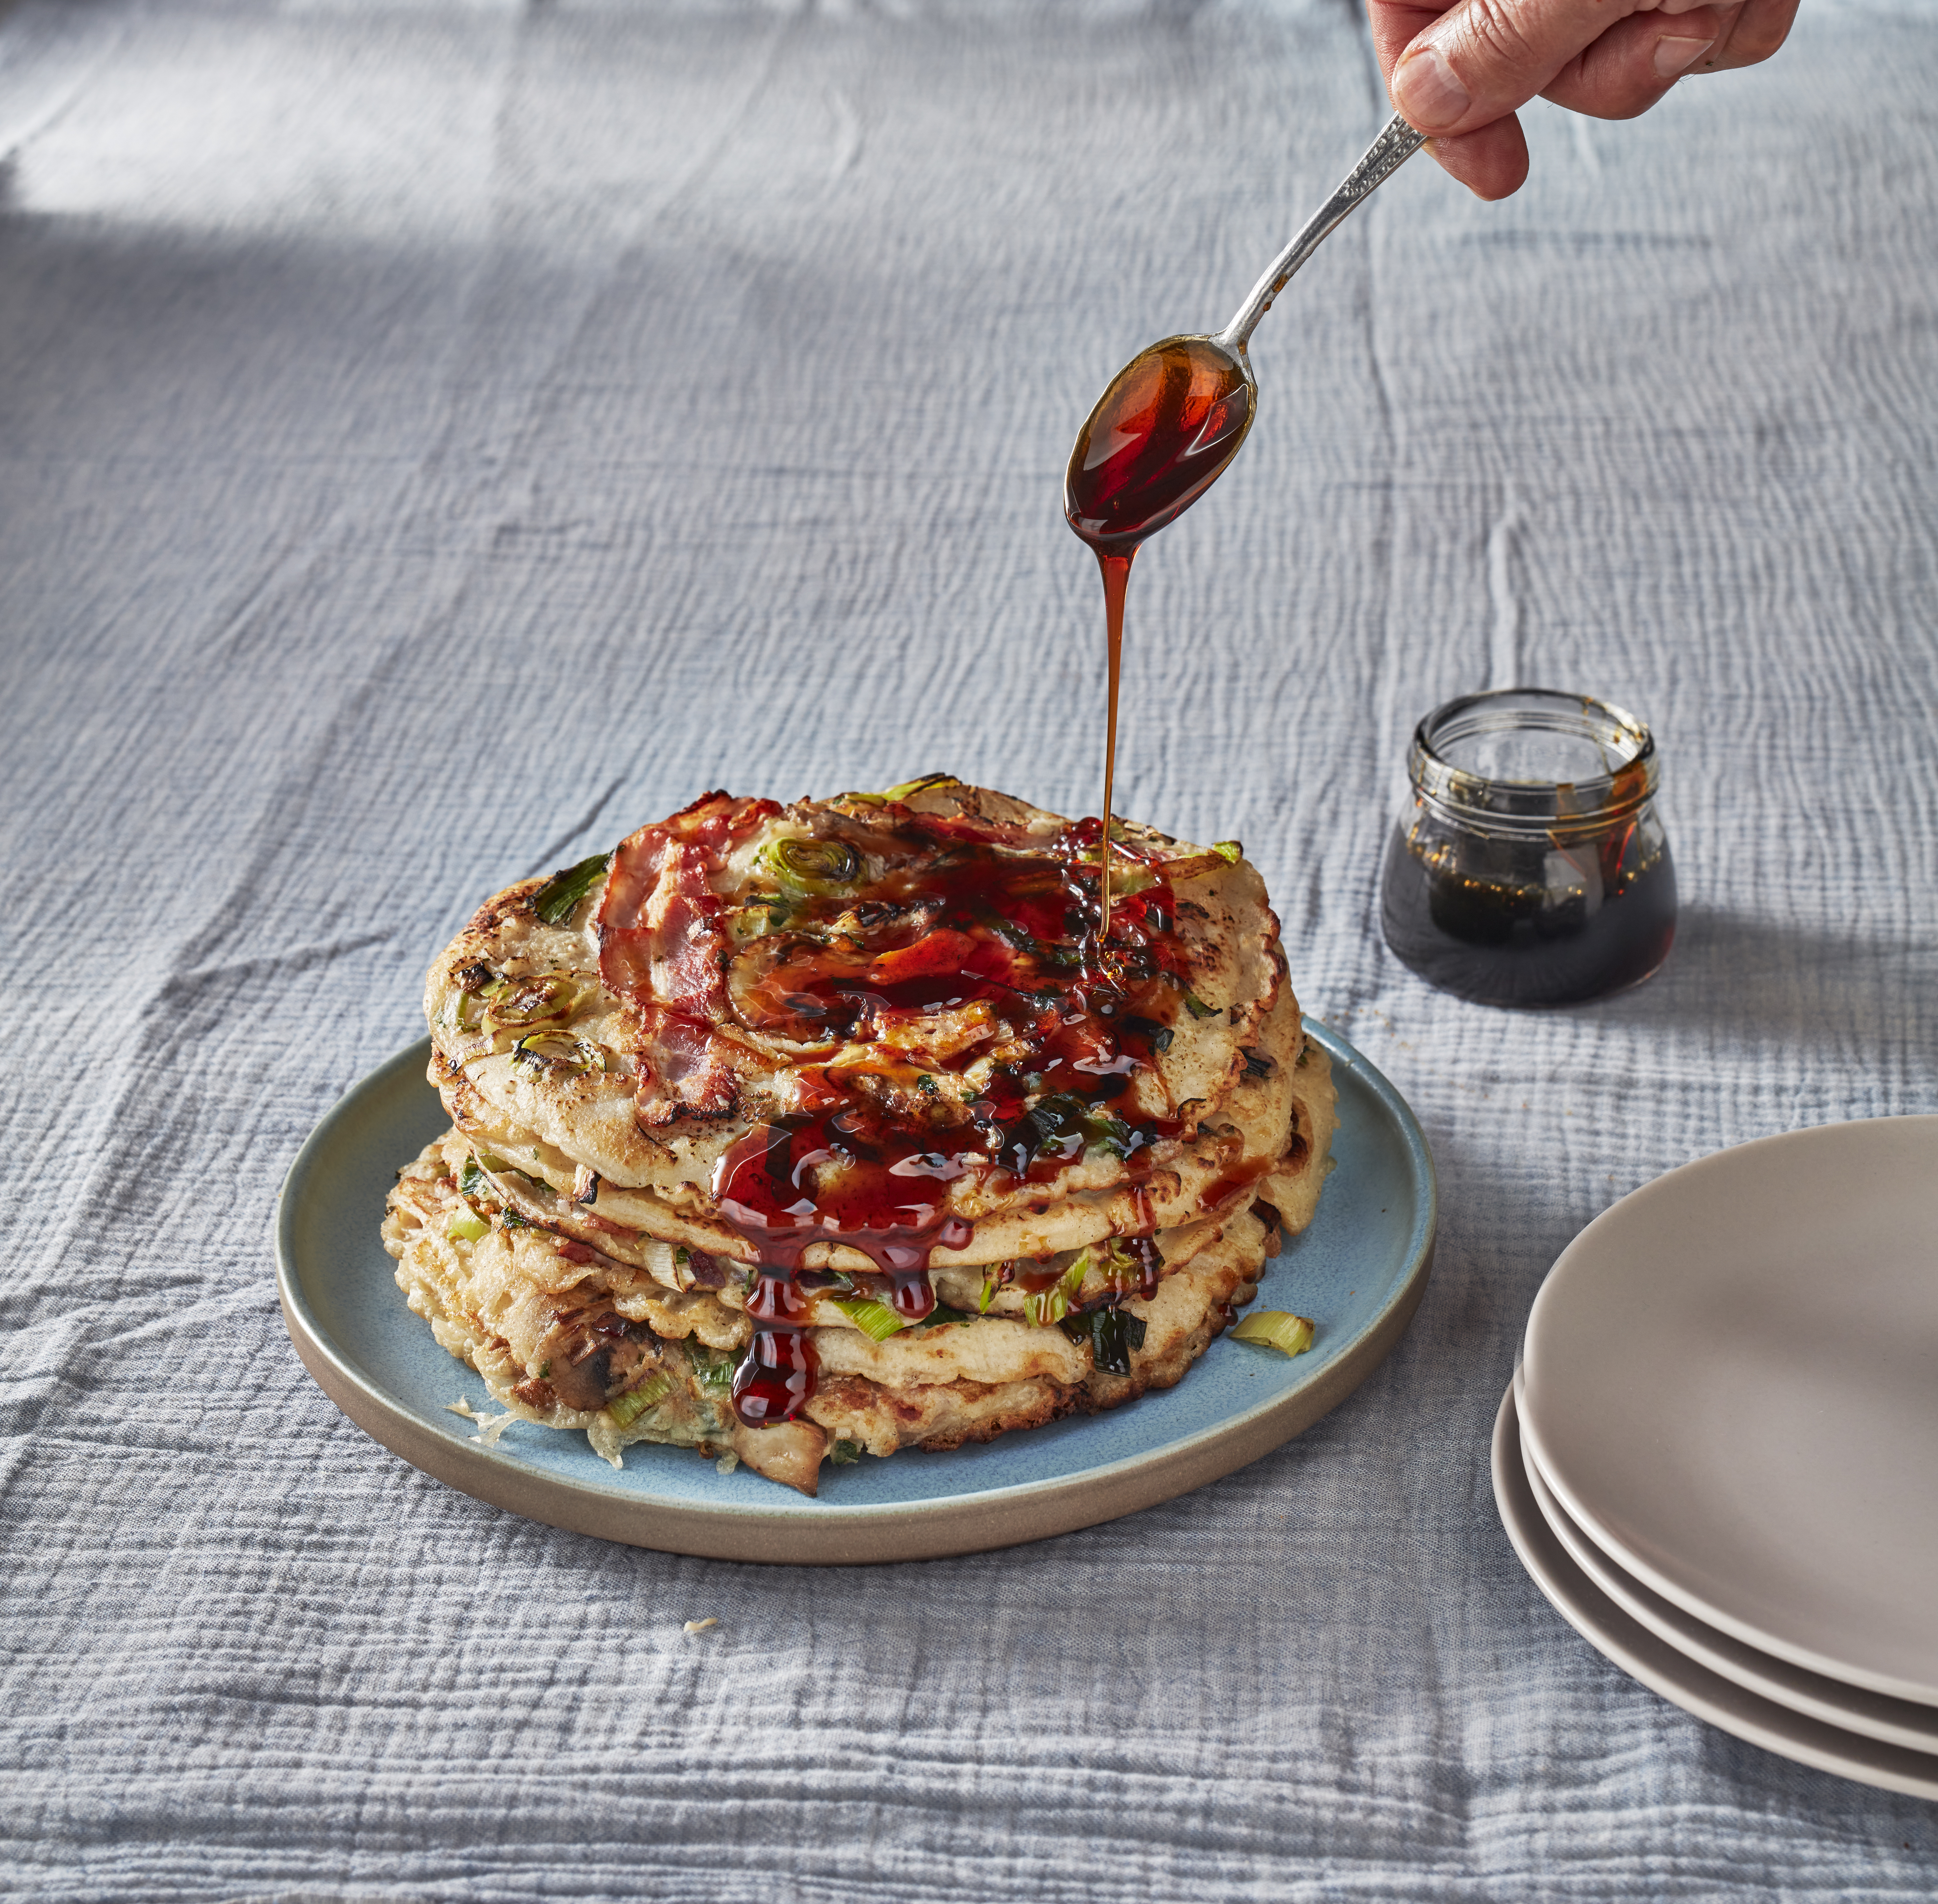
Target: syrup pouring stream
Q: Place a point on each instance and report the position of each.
(1169, 424)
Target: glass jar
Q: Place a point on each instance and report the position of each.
(1530, 868)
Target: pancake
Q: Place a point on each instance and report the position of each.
(1276, 1123)
(568, 1336)
(645, 1029)
(852, 1100)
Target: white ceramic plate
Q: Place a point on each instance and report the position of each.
(1359, 1271)
(1663, 1668)
(1876, 1715)
(1732, 1387)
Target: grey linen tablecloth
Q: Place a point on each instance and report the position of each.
(436, 439)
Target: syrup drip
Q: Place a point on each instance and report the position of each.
(1116, 578)
(873, 1175)
(1161, 435)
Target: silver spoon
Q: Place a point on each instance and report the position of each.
(1175, 415)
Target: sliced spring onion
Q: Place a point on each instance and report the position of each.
(1276, 1328)
(562, 892)
(1051, 1305)
(942, 1315)
(1229, 850)
(1197, 1008)
(1112, 1334)
(1108, 1133)
(558, 1051)
(921, 785)
(712, 1368)
(626, 1409)
(872, 1319)
(466, 1225)
(992, 1281)
(470, 1178)
(833, 861)
(532, 1001)
(844, 1454)
(766, 914)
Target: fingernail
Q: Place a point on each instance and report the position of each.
(1674, 55)
(1430, 98)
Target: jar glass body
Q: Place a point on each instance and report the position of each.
(1530, 866)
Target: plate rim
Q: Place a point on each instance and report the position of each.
(837, 1534)
(1706, 1646)
(1672, 1674)
(1913, 1692)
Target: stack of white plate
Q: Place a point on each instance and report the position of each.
(1719, 1457)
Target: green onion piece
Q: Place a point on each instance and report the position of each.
(1044, 1307)
(833, 862)
(872, 1319)
(712, 1368)
(1274, 1328)
(466, 1225)
(557, 1051)
(1108, 1133)
(765, 912)
(1197, 1008)
(942, 1315)
(1112, 1334)
(626, 1409)
(992, 1281)
(844, 1454)
(532, 1001)
(1229, 850)
(562, 892)
(470, 1178)
(927, 780)
(1053, 1305)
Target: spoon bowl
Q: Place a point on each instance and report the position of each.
(1160, 436)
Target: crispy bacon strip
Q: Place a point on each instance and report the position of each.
(661, 946)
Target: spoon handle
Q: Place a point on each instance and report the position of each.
(1395, 145)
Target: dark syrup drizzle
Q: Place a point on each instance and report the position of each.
(1162, 432)
(1016, 929)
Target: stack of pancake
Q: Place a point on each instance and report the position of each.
(798, 1134)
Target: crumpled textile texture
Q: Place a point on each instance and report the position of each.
(436, 438)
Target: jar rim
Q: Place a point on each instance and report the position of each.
(1626, 746)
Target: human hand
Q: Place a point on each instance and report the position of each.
(1458, 75)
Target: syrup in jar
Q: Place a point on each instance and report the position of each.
(1529, 867)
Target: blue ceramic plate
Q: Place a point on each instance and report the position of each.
(1358, 1271)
